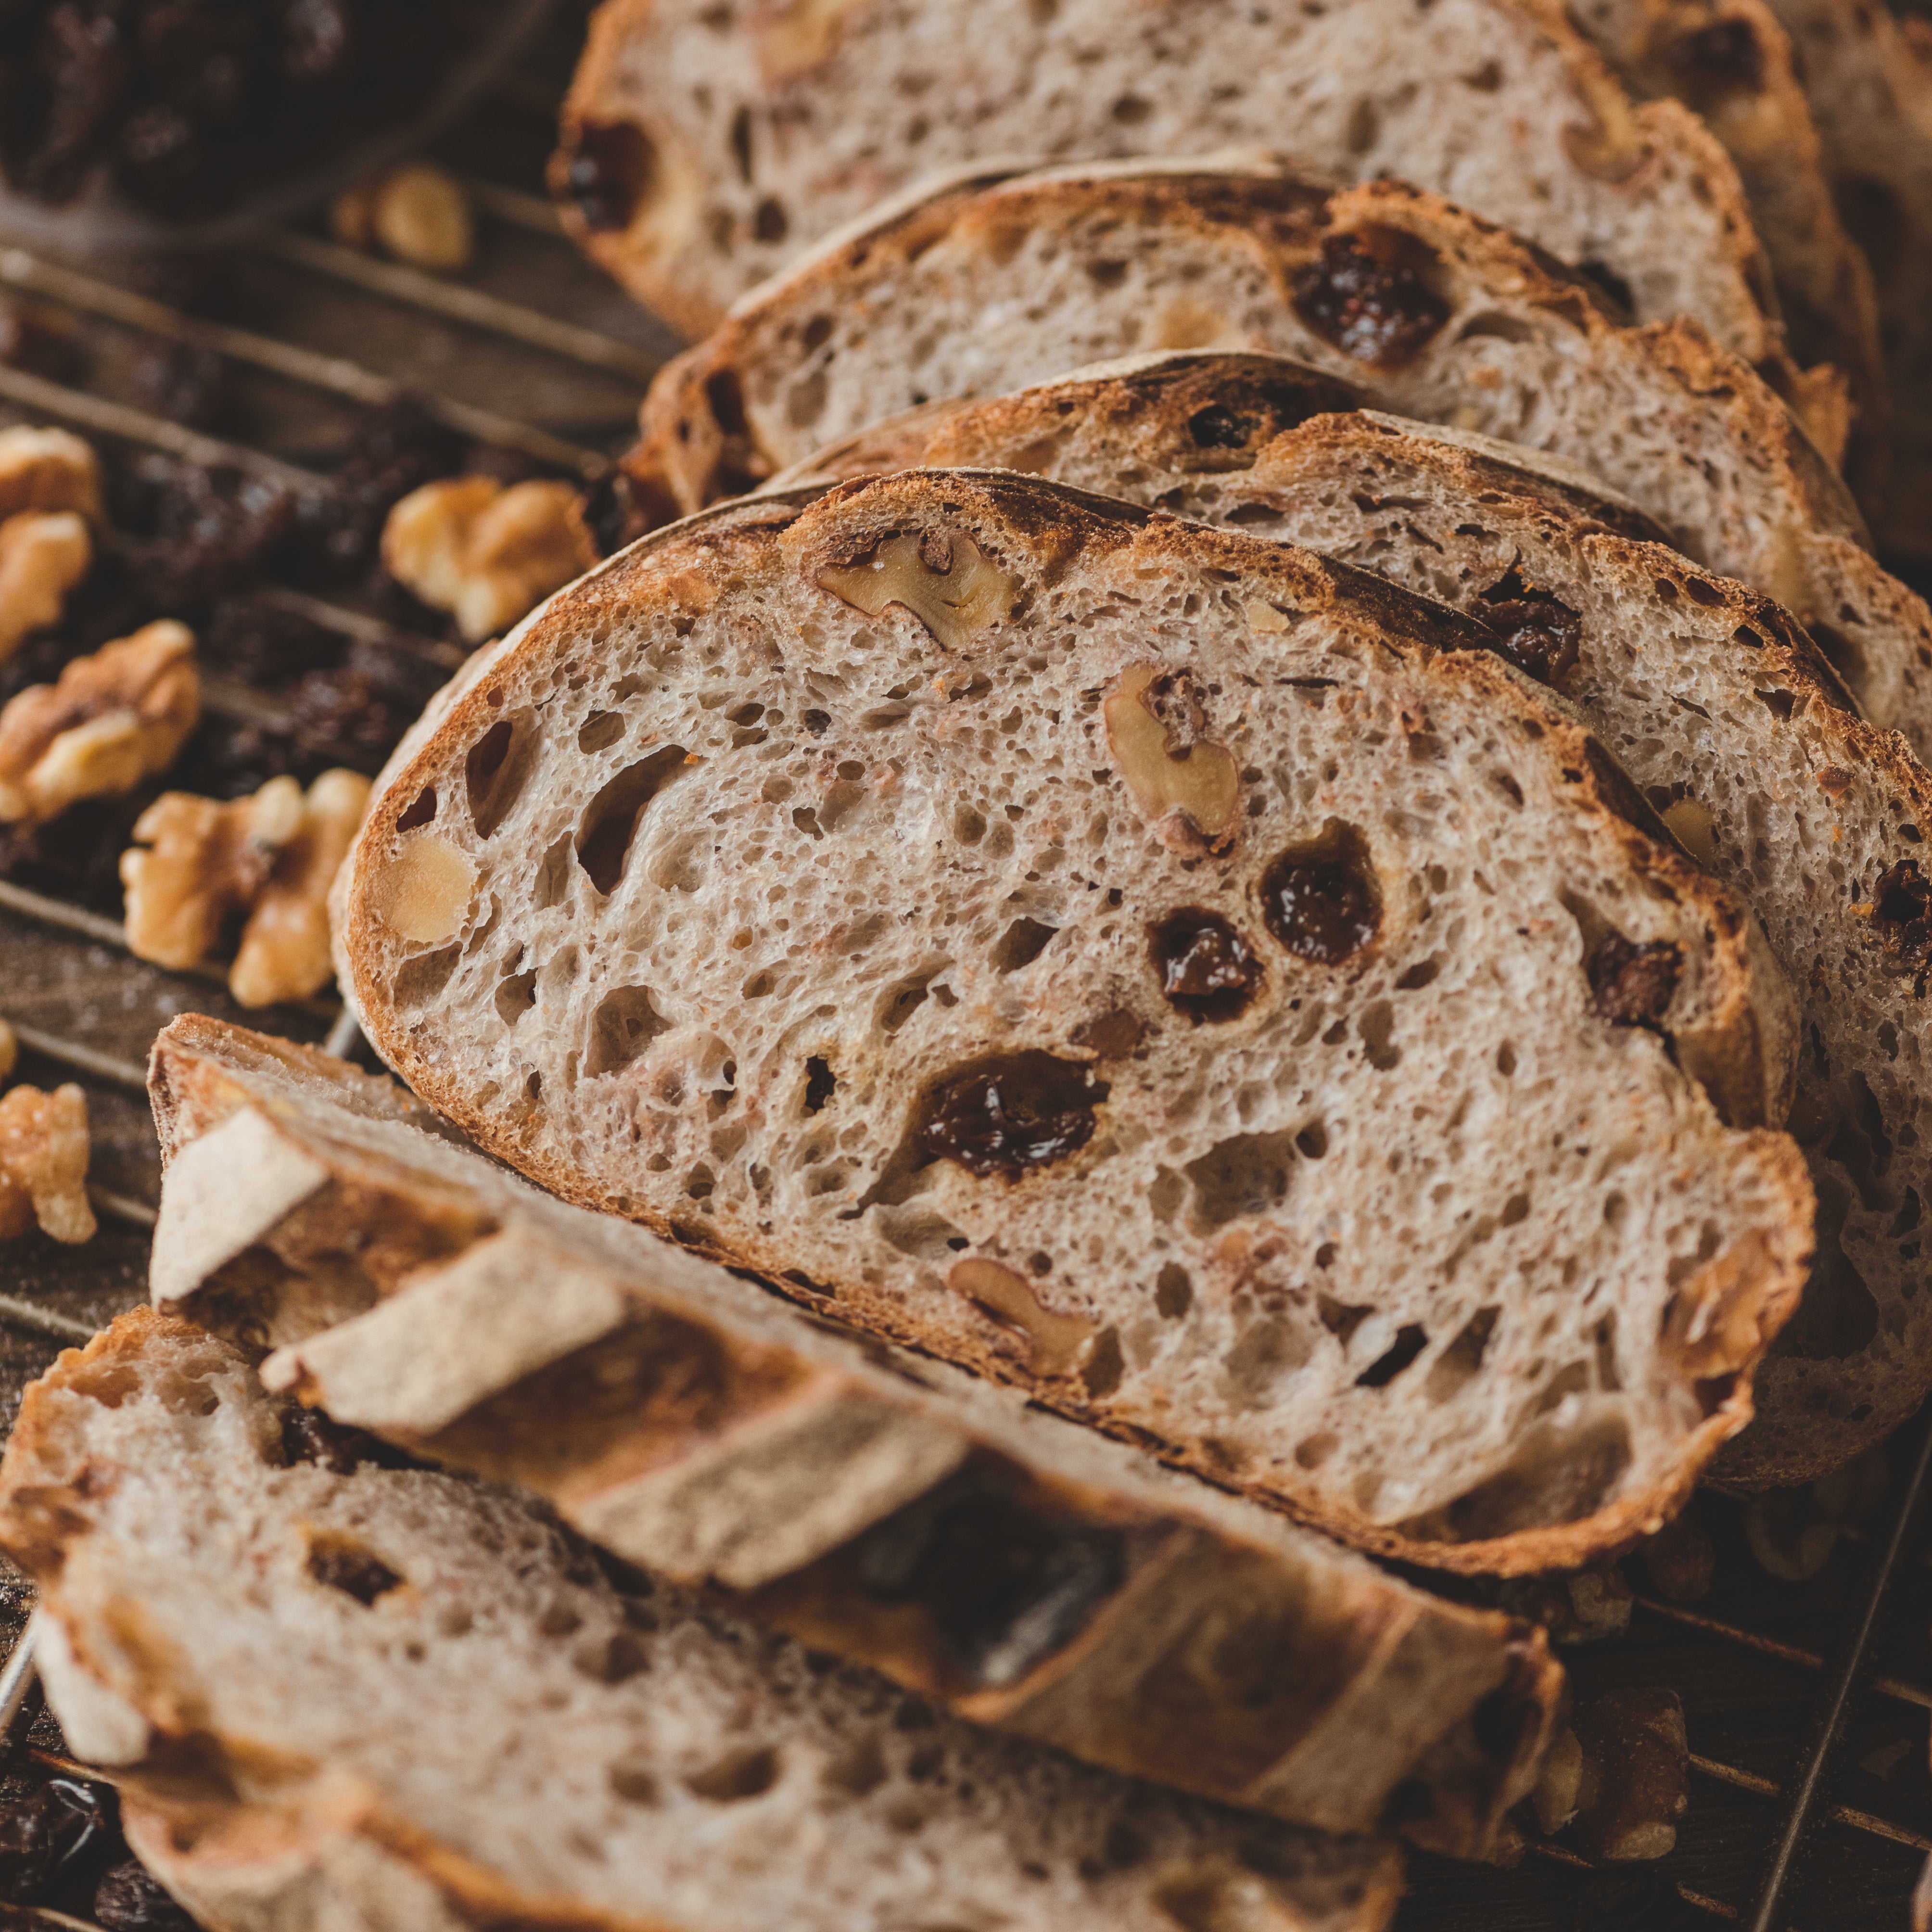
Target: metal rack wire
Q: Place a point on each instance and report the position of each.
(1793, 1805)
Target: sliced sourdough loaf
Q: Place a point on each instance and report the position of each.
(1023, 1570)
(1732, 63)
(1715, 702)
(336, 1695)
(978, 291)
(1869, 74)
(1187, 978)
(704, 149)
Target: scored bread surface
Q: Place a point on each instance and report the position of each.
(981, 289)
(1714, 701)
(715, 145)
(1026, 1571)
(336, 1694)
(713, 900)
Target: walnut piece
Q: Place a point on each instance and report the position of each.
(1200, 782)
(44, 1150)
(43, 556)
(112, 719)
(485, 553)
(423, 892)
(1056, 1344)
(201, 865)
(948, 583)
(47, 469)
(1635, 1782)
(418, 213)
(284, 950)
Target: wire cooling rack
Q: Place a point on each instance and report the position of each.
(1806, 1703)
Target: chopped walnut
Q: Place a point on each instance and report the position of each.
(485, 553)
(44, 1150)
(47, 469)
(284, 950)
(43, 556)
(1585, 1607)
(112, 720)
(1634, 1784)
(204, 863)
(418, 213)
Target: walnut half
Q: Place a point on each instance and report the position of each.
(487, 554)
(43, 556)
(201, 864)
(113, 719)
(43, 1154)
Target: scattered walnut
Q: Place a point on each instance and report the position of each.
(47, 469)
(1559, 1784)
(1585, 1607)
(418, 213)
(1635, 1780)
(205, 863)
(1788, 1537)
(1681, 1558)
(43, 554)
(112, 720)
(1193, 790)
(284, 950)
(485, 553)
(10, 1049)
(43, 1150)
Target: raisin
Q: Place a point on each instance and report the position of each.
(1112, 1035)
(355, 1572)
(77, 856)
(1367, 296)
(77, 79)
(1633, 984)
(1902, 912)
(310, 1436)
(1537, 633)
(184, 385)
(47, 1834)
(1321, 900)
(1218, 427)
(1206, 968)
(345, 717)
(129, 1898)
(1006, 1584)
(607, 168)
(396, 447)
(263, 643)
(1007, 1115)
(213, 531)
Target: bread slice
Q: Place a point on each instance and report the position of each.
(1016, 1567)
(1869, 75)
(336, 1694)
(1713, 699)
(704, 148)
(979, 291)
(1731, 64)
(1274, 1102)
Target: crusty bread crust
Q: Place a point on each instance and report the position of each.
(557, 1351)
(718, 145)
(1033, 527)
(1521, 350)
(1859, 1359)
(337, 1693)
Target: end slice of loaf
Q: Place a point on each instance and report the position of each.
(1715, 702)
(335, 1694)
(1185, 977)
(979, 290)
(703, 150)
(1023, 1570)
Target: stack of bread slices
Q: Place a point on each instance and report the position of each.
(1231, 885)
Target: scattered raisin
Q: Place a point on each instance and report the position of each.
(46, 1833)
(201, 533)
(1005, 1116)
(264, 642)
(1006, 1584)
(1537, 633)
(395, 447)
(1633, 984)
(1205, 967)
(184, 384)
(1368, 297)
(1902, 912)
(129, 1898)
(1218, 427)
(1321, 900)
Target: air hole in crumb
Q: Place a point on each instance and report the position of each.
(1246, 1175)
(1313, 1450)
(819, 1083)
(1418, 976)
(495, 772)
(625, 1023)
(423, 978)
(1173, 1291)
(1020, 944)
(860, 1768)
(604, 838)
(1506, 1060)
(1376, 1026)
(743, 1775)
(600, 731)
(345, 1565)
(1458, 1363)
(635, 1783)
(1105, 1366)
(1410, 1341)
(1313, 1140)
(902, 1001)
(420, 812)
(516, 996)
